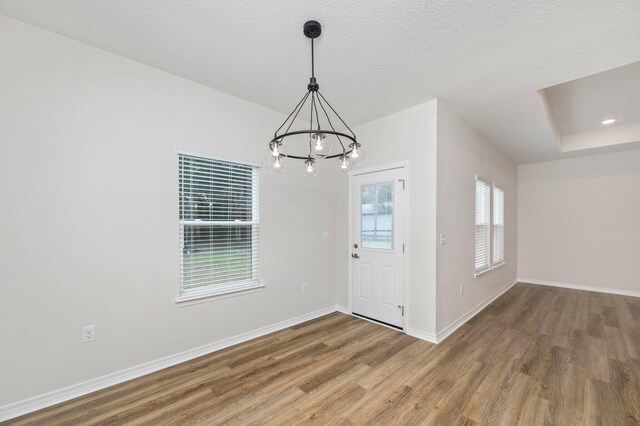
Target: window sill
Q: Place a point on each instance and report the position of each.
(194, 299)
(498, 266)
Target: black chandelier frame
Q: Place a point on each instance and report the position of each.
(313, 29)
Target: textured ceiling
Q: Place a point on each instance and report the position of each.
(485, 59)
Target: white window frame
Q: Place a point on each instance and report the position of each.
(229, 289)
(491, 264)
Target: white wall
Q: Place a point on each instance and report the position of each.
(579, 221)
(408, 135)
(88, 214)
(463, 154)
(444, 155)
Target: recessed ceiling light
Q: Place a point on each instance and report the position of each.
(608, 121)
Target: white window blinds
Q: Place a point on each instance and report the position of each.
(498, 226)
(483, 217)
(218, 215)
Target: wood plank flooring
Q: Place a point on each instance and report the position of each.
(537, 355)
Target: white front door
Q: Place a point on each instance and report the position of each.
(377, 246)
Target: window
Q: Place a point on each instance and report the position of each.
(498, 226)
(483, 224)
(218, 220)
(489, 226)
(376, 216)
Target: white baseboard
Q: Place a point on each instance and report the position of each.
(422, 335)
(46, 400)
(448, 330)
(343, 309)
(581, 287)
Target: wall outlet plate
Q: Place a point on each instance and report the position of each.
(88, 333)
(461, 289)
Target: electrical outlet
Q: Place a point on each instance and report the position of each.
(304, 287)
(326, 235)
(461, 289)
(88, 334)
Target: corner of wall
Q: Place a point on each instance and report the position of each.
(462, 153)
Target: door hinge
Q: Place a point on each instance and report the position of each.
(403, 247)
(402, 180)
(401, 307)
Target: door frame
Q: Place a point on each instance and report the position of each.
(405, 237)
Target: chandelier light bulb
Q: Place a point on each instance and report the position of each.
(310, 168)
(319, 147)
(356, 157)
(276, 150)
(275, 163)
(319, 137)
(354, 153)
(343, 164)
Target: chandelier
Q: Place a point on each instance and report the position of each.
(321, 140)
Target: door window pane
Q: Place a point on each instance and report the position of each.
(376, 216)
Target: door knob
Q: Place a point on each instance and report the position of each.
(355, 255)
